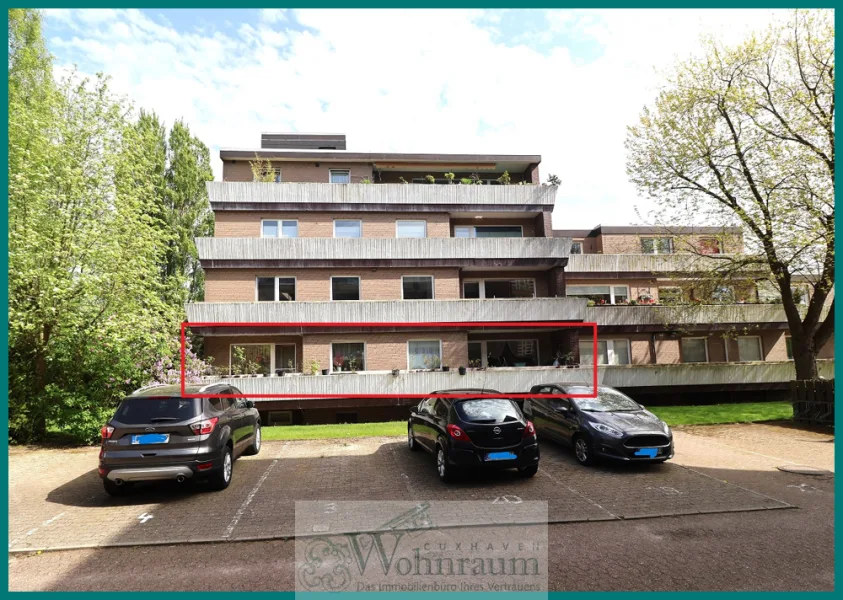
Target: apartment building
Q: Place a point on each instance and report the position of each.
(341, 238)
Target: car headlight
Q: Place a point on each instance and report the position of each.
(607, 430)
(664, 427)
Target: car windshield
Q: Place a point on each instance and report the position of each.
(607, 401)
(488, 410)
(142, 410)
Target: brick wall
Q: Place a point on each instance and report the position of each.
(387, 351)
(313, 285)
(292, 172)
(321, 224)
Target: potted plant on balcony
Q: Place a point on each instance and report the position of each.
(449, 177)
(314, 367)
(461, 370)
(430, 178)
(475, 363)
(339, 361)
(445, 368)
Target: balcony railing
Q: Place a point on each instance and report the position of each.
(238, 195)
(625, 264)
(520, 380)
(533, 251)
(390, 311)
(727, 314)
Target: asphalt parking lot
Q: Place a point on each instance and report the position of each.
(57, 502)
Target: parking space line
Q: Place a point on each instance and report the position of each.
(580, 494)
(782, 502)
(46, 523)
(242, 510)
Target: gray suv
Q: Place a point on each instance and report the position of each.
(156, 434)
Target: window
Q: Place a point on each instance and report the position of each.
(348, 229)
(284, 229)
(512, 353)
(709, 246)
(417, 287)
(285, 358)
(600, 294)
(339, 176)
(663, 245)
(424, 354)
(280, 417)
(475, 354)
(670, 295)
(749, 348)
(788, 344)
(411, 229)
(276, 289)
(491, 231)
(500, 288)
(345, 288)
(609, 352)
(694, 350)
(723, 294)
(348, 356)
(576, 248)
(250, 359)
(801, 294)
(275, 171)
(488, 410)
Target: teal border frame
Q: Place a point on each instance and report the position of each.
(499, 4)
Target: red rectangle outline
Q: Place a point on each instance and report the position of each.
(557, 324)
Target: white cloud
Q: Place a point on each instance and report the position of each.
(432, 81)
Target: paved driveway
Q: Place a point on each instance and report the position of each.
(56, 499)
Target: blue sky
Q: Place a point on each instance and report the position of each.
(561, 83)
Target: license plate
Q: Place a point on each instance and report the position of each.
(648, 452)
(501, 456)
(151, 438)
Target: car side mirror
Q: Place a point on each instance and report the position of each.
(250, 404)
(560, 409)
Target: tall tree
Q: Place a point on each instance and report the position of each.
(746, 134)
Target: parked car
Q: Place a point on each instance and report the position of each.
(155, 434)
(475, 431)
(611, 426)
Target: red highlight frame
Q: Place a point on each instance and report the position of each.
(465, 325)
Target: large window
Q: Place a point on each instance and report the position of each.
(411, 229)
(348, 356)
(251, 359)
(659, 245)
(576, 248)
(609, 352)
(276, 289)
(275, 228)
(600, 294)
(499, 288)
(339, 176)
(512, 353)
(348, 229)
(490, 231)
(417, 287)
(694, 350)
(285, 358)
(424, 354)
(345, 288)
(670, 295)
(749, 348)
(723, 294)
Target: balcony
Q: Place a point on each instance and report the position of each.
(392, 311)
(373, 252)
(387, 196)
(637, 265)
(631, 377)
(690, 314)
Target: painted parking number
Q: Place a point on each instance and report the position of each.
(510, 499)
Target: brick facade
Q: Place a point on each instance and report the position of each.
(321, 224)
(314, 285)
(296, 172)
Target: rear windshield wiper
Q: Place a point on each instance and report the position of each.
(156, 419)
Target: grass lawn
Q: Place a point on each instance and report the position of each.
(747, 412)
(673, 415)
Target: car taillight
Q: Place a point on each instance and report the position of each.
(530, 429)
(204, 427)
(106, 431)
(457, 433)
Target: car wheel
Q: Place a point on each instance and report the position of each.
(528, 471)
(222, 477)
(442, 467)
(412, 444)
(112, 489)
(256, 443)
(584, 450)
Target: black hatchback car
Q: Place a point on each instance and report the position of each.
(473, 432)
(611, 426)
(156, 434)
